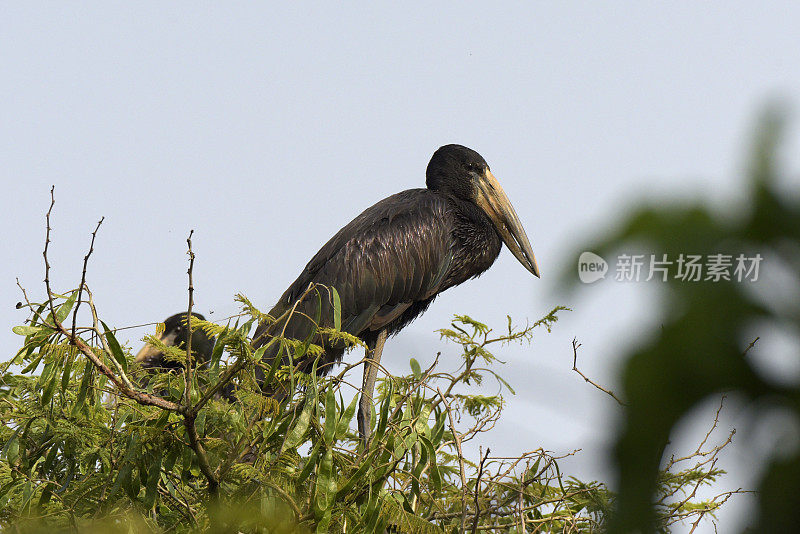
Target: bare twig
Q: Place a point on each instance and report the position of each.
(120, 380)
(83, 276)
(575, 346)
(477, 492)
(46, 247)
(28, 304)
(188, 368)
(190, 414)
(750, 346)
(699, 451)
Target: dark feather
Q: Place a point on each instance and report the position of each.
(387, 265)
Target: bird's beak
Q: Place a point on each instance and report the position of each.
(149, 352)
(493, 200)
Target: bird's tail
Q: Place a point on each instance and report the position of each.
(293, 335)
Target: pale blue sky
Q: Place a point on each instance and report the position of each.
(265, 127)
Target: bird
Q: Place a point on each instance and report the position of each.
(390, 262)
(176, 334)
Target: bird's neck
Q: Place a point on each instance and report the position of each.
(480, 242)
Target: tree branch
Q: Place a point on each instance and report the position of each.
(187, 387)
(83, 276)
(477, 493)
(575, 346)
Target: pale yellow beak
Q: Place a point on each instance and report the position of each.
(494, 201)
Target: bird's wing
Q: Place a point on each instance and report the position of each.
(394, 254)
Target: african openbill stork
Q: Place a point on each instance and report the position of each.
(390, 262)
(176, 334)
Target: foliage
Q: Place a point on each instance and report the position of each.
(90, 441)
(701, 348)
(75, 449)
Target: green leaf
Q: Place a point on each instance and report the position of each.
(49, 389)
(300, 352)
(417, 472)
(372, 513)
(506, 384)
(438, 429)
(347, 416)
(65, 377)
(323, 524)
(27, 493)
(216, 355)
(11, 450)
(172, 456)
(51, 456)
(153, 476)
(47, 493)
(37, 315)
(296, 434)
(48, 371)
(34, 363)
(131, 485)
(276, 362)
(116, 350)
(310, 463)
(326, 485)
(346, 488)
(88, 368)
(200, 422)
(422, 421)
(434, 475)
(337, 309)
(330, 417)
(122, 478)
(64, 309)
(384, 413)
(415, 368)
(26, 330)
(163, 418)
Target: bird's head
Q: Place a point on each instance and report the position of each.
(460, 171)
(176, 333)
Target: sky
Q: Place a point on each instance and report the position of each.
(265, 127)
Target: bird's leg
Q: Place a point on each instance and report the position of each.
(373, 357)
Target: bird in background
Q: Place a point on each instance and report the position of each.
(389, 263)
(176, 333)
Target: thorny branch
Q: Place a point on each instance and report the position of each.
(575, 346)
(46, 247)
(83, 276)
(190, 415)
(188, 368)
(118, 377)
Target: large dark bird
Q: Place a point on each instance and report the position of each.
(390, 262)
(176, 333)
